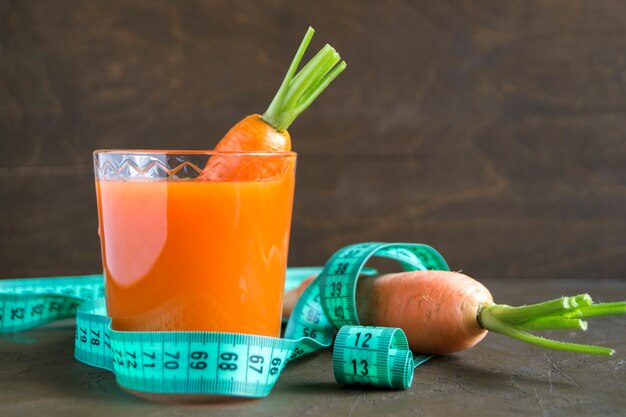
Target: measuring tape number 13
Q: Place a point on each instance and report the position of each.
(229, 363)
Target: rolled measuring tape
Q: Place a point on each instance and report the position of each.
(229, 363)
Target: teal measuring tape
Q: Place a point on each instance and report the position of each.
(229, 363)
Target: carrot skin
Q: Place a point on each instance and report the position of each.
(250, 135)
(438, 310)
(253, 134)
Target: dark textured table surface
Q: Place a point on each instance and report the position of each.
(38, 376)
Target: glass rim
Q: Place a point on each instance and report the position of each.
(140, 152)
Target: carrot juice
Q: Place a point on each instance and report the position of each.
(183, 252)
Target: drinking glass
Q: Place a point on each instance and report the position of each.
(194, 240)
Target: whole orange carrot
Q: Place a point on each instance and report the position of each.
(444, 312)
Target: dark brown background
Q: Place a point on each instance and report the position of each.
(492, 130)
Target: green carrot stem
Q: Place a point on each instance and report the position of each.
(581, 300)
(597, 310)
(492, 323)
(274, 107)
(560, 314)
(310, 74)
(298, 91)
(553, 323)
(312, 93)
(521, 314)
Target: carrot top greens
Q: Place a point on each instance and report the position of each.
(563, 313)
(299, 90)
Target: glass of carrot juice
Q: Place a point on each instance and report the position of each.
(194, 240)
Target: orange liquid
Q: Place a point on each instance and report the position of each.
(195, 254)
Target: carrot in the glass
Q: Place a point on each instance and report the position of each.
(268, 132)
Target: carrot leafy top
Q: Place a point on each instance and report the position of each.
(563, 313)
(299, 90)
